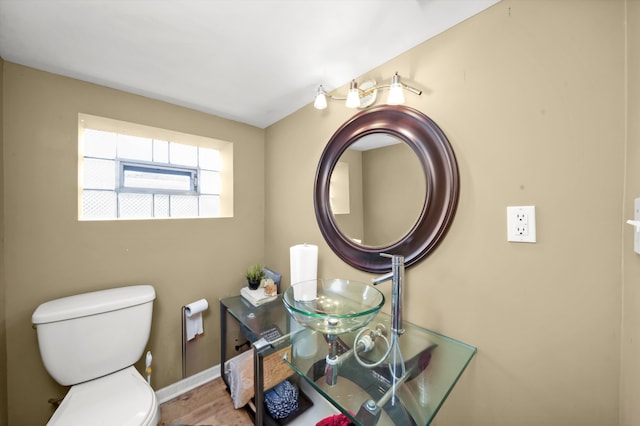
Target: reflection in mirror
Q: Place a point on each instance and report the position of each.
(377, 190)
(339, 189)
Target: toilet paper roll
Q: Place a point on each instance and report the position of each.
(304, 271)
(193, 312)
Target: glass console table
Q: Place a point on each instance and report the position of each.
(434, 363)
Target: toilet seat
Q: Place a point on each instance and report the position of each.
(122, 398)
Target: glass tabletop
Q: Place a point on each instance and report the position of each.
(434, 363)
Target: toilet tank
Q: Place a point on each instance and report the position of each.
(89, 335)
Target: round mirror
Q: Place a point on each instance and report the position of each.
(387, 182)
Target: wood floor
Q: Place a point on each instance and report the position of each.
(211, 405)
(207, 405)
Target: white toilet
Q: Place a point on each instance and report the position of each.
(90, 342)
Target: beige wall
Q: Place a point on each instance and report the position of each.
(531, 95)
(630, 371)
(3, 337)
(50, 254)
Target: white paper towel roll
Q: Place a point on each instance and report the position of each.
(304, 271)
(193, 312)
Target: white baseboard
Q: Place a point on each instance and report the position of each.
(172, 391)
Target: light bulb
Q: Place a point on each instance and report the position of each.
(353, 97)
(321, 99)
(396, 95)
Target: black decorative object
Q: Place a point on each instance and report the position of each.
(282, 400)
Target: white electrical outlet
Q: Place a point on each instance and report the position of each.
(521, 224)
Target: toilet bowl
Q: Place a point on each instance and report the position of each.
(122, 398)
(90, 342)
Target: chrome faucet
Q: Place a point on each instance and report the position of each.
(365, 342)
(397, 367)
(397, 278)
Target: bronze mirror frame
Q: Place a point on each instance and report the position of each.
(438, 162)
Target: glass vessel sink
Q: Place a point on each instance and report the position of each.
(341, 306)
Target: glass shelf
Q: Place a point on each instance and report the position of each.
(434, 364)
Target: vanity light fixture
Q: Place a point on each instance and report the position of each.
(364, 95)
(321, 99)
(396, 96)
(353, 97)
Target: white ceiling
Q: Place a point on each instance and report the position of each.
(254, 61)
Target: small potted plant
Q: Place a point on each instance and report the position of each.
(254, 275)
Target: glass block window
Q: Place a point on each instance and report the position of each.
(125, 174)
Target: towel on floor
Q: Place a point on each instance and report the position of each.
(239, 372)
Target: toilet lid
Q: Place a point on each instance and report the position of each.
(121, 398)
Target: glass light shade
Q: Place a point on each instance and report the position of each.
(321, 101)
(396, 96)
(353, 97)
